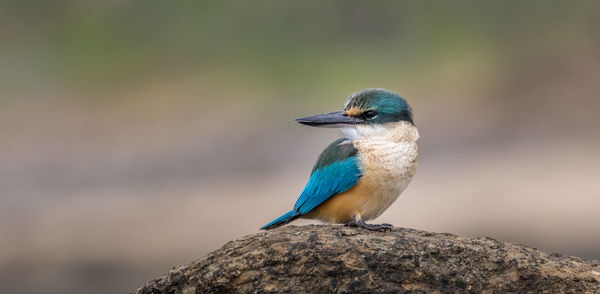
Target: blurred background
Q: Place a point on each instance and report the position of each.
(139, 135)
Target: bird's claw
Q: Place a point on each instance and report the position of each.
(371, 227)
(386, 227)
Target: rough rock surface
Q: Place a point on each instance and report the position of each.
(323, 259)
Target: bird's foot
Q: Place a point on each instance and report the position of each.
(370, 227)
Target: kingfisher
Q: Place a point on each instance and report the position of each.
(357, 177)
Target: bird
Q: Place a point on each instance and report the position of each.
(357, 177)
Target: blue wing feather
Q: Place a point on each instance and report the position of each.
(326, 182)
(335, 171)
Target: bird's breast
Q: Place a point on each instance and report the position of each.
(387, 168)
(387, 160)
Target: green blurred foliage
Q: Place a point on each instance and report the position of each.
(103, 45)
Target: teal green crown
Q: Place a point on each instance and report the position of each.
(378, 106)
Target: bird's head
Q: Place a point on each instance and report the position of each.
(366, 110)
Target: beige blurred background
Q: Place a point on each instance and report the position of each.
(139, 135)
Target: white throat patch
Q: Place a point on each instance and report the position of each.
(400, 131)
(365, 131)
(350, 133)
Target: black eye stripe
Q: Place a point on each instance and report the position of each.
(369, 114)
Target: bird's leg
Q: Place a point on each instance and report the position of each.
(357, 222)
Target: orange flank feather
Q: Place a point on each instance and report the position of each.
(341, 208)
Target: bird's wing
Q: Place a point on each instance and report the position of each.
(335, 171)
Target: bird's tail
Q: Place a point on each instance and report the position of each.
(282, 220)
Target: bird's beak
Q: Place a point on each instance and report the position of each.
(336, 119)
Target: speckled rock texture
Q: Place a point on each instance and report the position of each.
(337, 259)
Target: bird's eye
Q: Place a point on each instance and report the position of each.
(369, 114)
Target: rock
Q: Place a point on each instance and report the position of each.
(330, 258)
